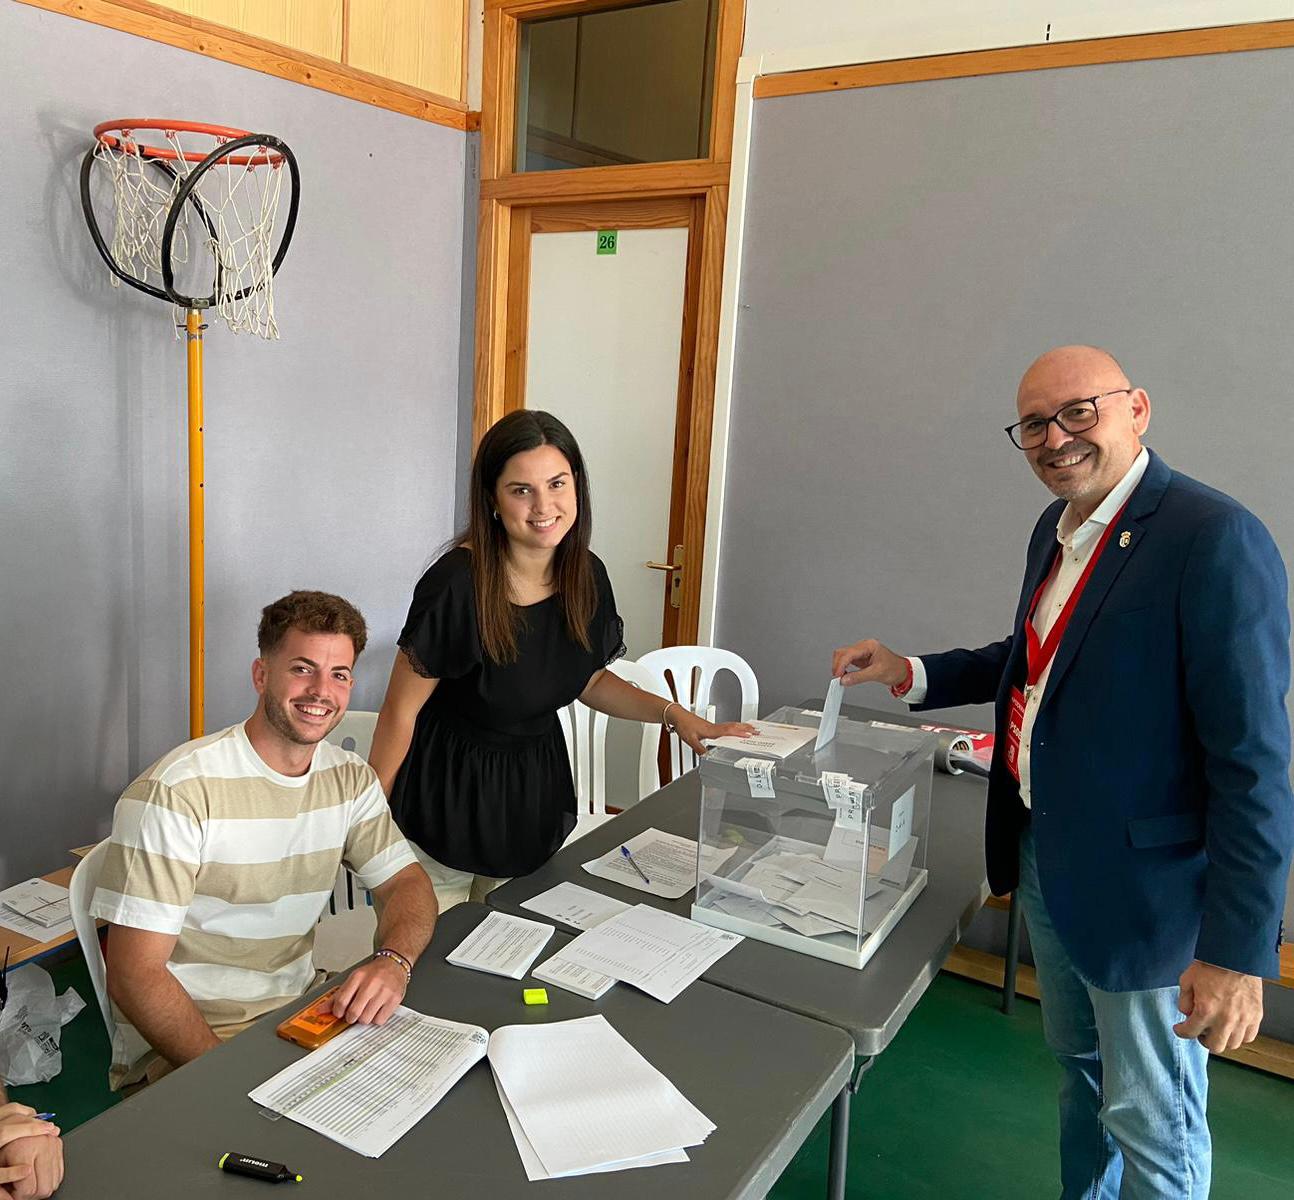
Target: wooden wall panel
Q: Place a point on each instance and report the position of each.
(419, 42)
(310, 25)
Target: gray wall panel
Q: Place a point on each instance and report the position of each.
(331, 454)
(908, 251)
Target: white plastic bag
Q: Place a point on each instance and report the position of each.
(30, 1026)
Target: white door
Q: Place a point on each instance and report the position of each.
(603, 346)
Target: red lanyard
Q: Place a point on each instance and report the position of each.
(1040, 654)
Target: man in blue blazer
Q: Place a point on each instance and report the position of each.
(1139, 802)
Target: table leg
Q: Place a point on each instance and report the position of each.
(1012, 955)
(838, 1158)
(838, 1162)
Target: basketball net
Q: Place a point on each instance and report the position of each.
(232, 221)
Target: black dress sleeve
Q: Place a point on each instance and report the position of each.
(608, 631)
(440, 637)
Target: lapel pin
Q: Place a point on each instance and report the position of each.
(1125, 540)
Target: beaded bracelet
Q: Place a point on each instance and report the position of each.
(399, 959)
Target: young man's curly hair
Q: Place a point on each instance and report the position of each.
(310, 612)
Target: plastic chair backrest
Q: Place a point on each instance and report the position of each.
(686, 673)
(80, 891)
(585, 731)
(354, 732)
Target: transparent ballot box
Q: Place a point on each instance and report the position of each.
(820, 851)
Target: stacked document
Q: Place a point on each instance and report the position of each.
(572, 977)
(657, 952)
(577, 1096)
(37, 909)
(371, 1084)
(580, 1099)
(501, 945)
(663, 864)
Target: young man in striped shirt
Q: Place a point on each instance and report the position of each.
(224, 853)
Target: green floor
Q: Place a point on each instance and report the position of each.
(960, 1107)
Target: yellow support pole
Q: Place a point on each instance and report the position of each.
(193, 327)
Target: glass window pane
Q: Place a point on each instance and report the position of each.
(625, 86)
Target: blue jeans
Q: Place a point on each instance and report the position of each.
(1132, 1093)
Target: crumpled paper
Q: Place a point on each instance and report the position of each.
(31, 1025)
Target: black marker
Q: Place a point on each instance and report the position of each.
(257, 1168)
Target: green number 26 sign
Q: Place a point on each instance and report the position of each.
(607, 240)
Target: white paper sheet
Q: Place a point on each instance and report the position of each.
(586, 1099)
(771, 739)
(371, 1084)
(830, 714)
(575, 906)
(658, 952)
(36, 909)
(535, 1169)
(668, 861)
(501, 945)
(572, 977)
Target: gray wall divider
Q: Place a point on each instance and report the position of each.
(331, 454)
(909, 249)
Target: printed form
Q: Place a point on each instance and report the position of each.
(668, 861)
(575, 906)
(501, 945)
(371, 1084)
(657, 952)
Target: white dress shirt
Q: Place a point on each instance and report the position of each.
(1076, 545)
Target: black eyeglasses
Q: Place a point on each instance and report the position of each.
(1075, 417)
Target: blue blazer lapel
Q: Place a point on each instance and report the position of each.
(1123, 543)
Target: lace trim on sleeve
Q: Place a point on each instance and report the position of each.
(418, 668)
(619, 650)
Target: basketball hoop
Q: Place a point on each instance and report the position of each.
(195, 222)
(201, 198)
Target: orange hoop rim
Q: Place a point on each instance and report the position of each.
(117, 135)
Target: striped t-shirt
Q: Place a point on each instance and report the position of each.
(213, 845)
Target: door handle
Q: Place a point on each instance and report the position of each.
(675, 570)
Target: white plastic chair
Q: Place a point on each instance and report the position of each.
(354, 732)
(80, 891)
(585, 731)
(687, 673)
(347, 926)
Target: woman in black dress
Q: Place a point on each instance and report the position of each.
(509, 626)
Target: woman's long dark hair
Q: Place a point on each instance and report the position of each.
(526, 429)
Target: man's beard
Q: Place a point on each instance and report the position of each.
(280, 720)
(1077, 488)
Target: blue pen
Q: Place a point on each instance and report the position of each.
(46, 1116)
(625, 851)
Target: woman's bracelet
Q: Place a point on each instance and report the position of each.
(664, 717)
(399, 959)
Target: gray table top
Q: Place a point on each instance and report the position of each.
(764, 1076)
(870, 1004)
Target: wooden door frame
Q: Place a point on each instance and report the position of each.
(669, 212)
(509, 200)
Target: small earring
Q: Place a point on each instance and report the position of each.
(496, 514)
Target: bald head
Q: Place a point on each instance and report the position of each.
(1073, 370)
(1083, 466)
